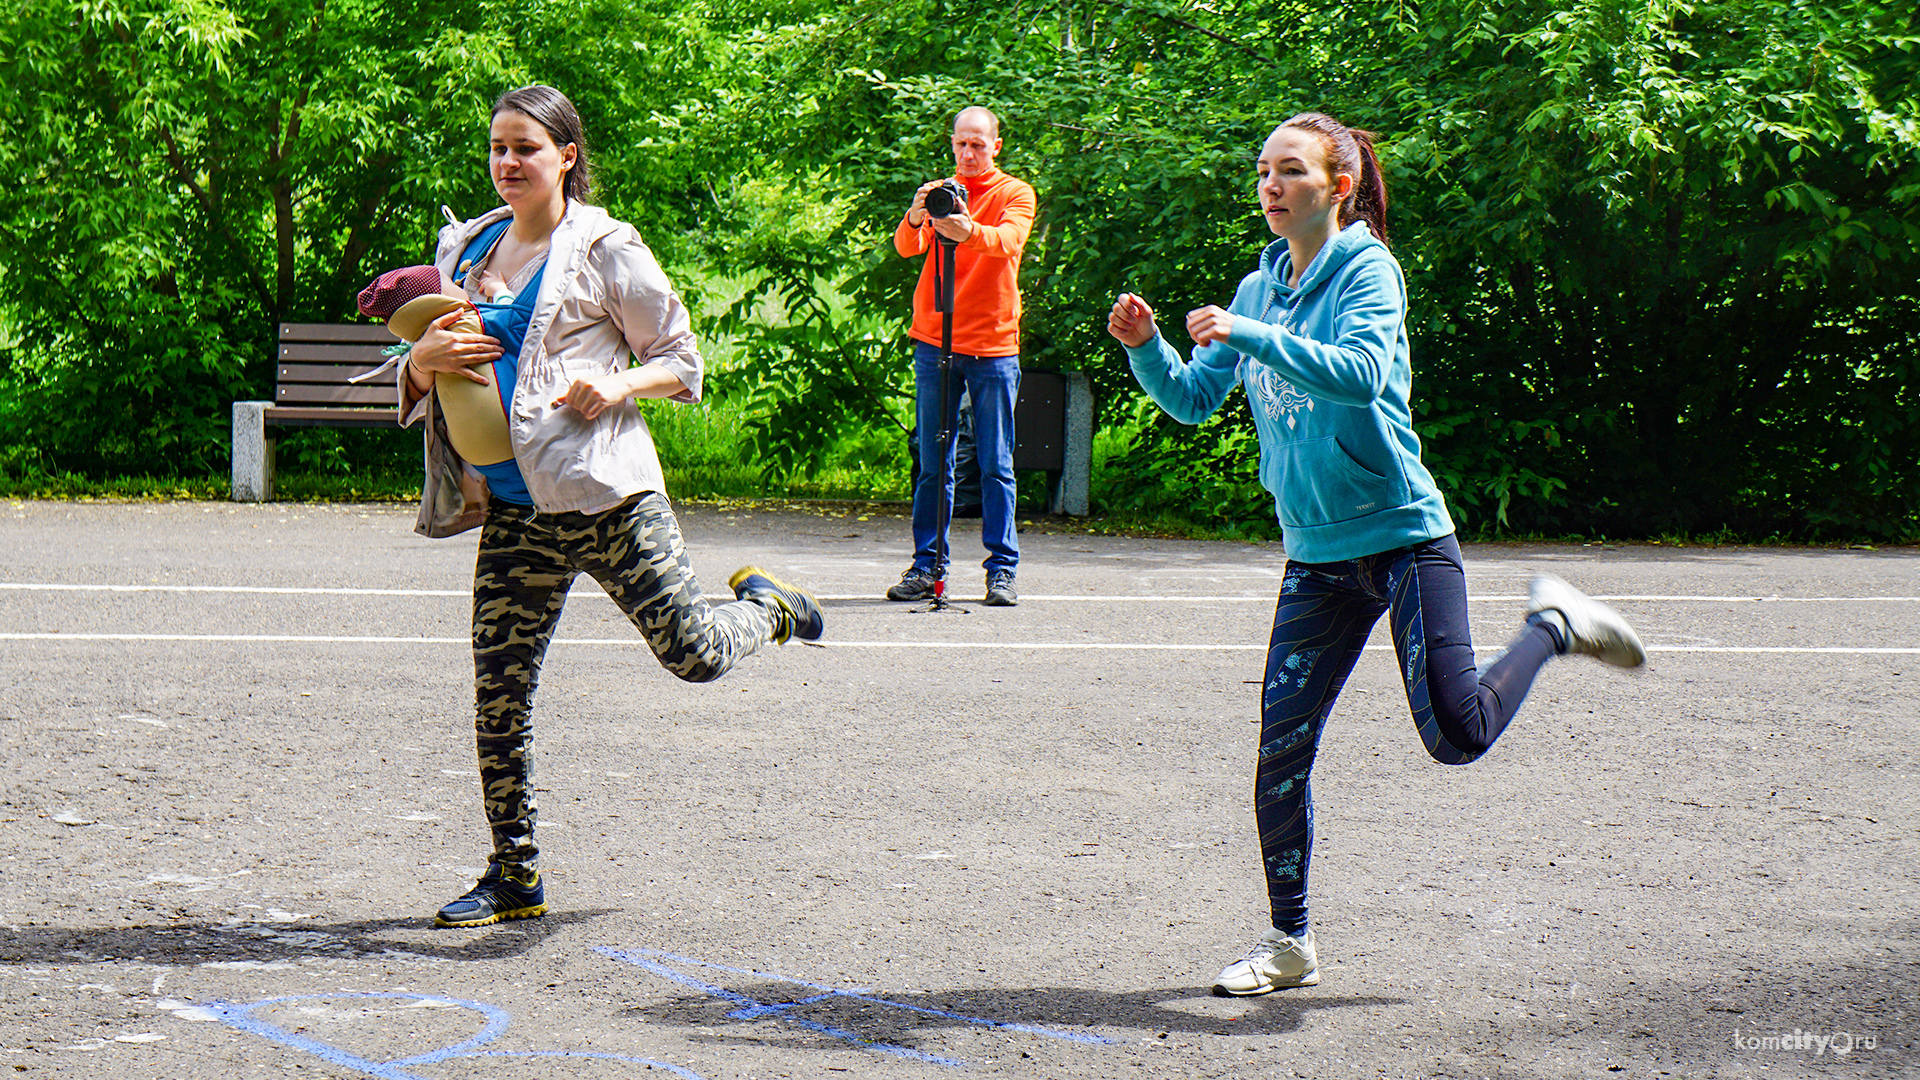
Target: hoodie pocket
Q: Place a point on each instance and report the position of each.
(1320, 484)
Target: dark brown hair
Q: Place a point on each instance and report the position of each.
(551, 110)
(1350, 151)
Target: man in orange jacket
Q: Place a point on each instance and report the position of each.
(991, 231)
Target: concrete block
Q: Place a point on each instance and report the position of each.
(1076, 474)
(252, 453)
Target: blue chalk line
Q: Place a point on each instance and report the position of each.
(750, 1009)
(240, 1016)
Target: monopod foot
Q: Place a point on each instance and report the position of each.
(938, 602)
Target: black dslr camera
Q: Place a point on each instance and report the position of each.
(946, 200)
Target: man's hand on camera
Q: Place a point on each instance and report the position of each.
(956, 226)
(917, 213)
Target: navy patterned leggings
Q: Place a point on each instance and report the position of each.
(1325, 612)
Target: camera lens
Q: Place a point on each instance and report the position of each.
(946, 200)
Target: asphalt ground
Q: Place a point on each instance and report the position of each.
(239, 780)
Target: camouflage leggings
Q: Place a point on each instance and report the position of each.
(527, 563)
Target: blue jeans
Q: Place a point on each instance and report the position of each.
(992, 383)
(1320, 624)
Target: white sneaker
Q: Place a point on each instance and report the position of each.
(1275, 962)
(1592, 627)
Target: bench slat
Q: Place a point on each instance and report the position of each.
(295, 416)
(318, 394)
(368, 333)
(333, 374)
(332, 354)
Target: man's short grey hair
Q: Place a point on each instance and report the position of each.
(993, 121)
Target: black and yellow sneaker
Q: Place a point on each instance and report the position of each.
(502, 893)
(802, 618)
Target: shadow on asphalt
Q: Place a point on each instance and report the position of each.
(210, 943)
(900, 1018)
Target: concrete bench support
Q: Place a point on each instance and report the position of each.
(252, 452)
(1076, 472)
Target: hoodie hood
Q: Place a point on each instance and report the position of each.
(1276, 263)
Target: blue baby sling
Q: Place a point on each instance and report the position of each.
(508, 324)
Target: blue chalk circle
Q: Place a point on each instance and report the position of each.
(658, 962)
(240, 1016)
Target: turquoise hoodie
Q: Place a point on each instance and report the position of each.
(1326, 372)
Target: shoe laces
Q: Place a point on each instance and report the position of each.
(999, 579)
(1262, 949)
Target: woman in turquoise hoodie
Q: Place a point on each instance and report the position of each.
(1317, 336)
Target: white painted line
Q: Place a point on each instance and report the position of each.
(1239, 598)
(1267, 598)
(1110, 646)
(312, 639)
(1780, 649)
(50, 587)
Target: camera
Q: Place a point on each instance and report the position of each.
(946, 200)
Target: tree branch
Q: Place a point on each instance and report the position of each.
(211, 208)
(1198, 29)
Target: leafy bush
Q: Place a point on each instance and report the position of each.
(1661, 255)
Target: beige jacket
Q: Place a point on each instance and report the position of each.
(603, 298)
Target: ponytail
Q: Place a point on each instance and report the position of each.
(1350, 151)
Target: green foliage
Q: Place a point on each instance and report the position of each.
(183, 174)
(1205, 474)
(1661, 255)
(1686, 246)
(814, 369)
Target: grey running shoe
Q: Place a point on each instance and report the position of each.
(1277, 961)
(1592, 627)
(915, 584)
(1000, 589)
(802, 613)
(501, 893)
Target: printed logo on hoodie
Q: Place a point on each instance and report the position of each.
(1278, 397)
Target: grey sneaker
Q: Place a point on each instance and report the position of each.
(1591, 627)
(915, 584)
(1277, 961)
(1000, 589)
(803, 619)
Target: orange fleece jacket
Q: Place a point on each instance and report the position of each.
(986, 268)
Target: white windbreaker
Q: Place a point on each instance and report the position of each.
(603, 302)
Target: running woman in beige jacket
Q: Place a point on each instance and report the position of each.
(583, 489)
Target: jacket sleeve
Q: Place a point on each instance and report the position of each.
(649, 314)
(1190, 391)
(1354, 368)
(909, 241)
(1008, 238)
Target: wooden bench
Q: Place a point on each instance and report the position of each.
(311, 389)
(1052, 433)
(1053, 419)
